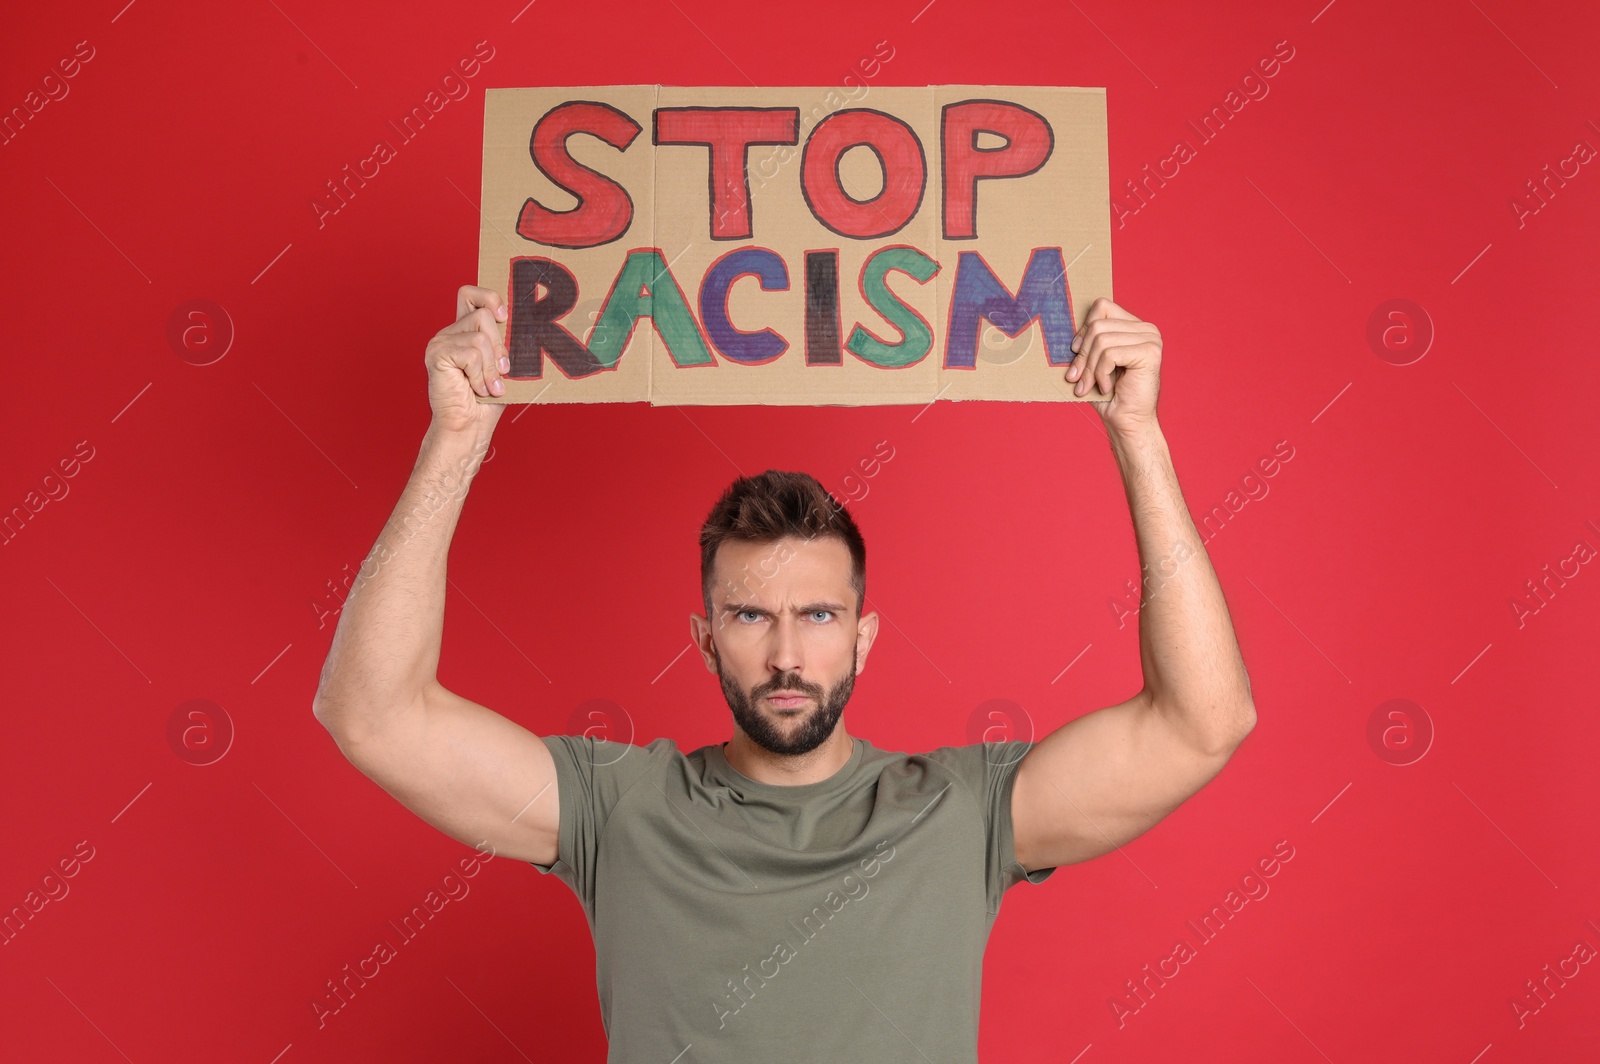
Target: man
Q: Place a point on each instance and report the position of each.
(795, 893)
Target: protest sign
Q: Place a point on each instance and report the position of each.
(790, 246)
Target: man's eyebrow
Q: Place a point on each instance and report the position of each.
(810, 607)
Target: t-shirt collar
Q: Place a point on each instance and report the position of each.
(718, 767)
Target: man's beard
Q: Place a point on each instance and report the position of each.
(814, 728)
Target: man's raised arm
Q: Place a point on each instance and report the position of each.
(1107, 777)
(475, 775)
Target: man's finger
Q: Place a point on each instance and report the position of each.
(490, 355)
(482, 321)
(471, 297)
(479, 320)
(469, 355)
(1104, 308)
(1101, 332)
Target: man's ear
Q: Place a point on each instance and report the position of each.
(700, 635)
(866, 633)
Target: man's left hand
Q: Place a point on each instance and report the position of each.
(1120, 356)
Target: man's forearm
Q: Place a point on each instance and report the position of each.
(1191, 659)
(386, 648)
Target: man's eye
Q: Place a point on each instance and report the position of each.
(741, 613)
(823, 613)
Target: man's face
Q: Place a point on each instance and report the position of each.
(783, 623)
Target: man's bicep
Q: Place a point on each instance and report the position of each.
(474, 774)
(1101, 781)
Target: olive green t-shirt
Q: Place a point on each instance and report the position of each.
(738, 922)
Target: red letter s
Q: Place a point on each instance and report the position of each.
(604, 210)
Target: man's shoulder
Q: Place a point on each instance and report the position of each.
(594, 754)
(991, 753)
(970, 761)
(979, 767)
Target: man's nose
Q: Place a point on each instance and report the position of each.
(786, 653)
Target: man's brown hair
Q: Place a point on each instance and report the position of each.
(770, 506)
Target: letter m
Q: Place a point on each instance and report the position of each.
(979, 296)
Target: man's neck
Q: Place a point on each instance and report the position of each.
(789, 770)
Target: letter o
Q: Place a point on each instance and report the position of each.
(900, 154)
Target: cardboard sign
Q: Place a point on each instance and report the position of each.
(782, 246)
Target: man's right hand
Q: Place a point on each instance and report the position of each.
(466, 360)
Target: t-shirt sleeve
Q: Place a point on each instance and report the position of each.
(592, 777)
(988, 771)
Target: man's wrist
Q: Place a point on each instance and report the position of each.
(1135, 434)
(441, 437)
(457, 453)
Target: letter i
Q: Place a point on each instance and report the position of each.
(823, 339)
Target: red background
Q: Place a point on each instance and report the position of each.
(1382, 564)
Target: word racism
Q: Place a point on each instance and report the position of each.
(1254, 887)
(875, 193)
